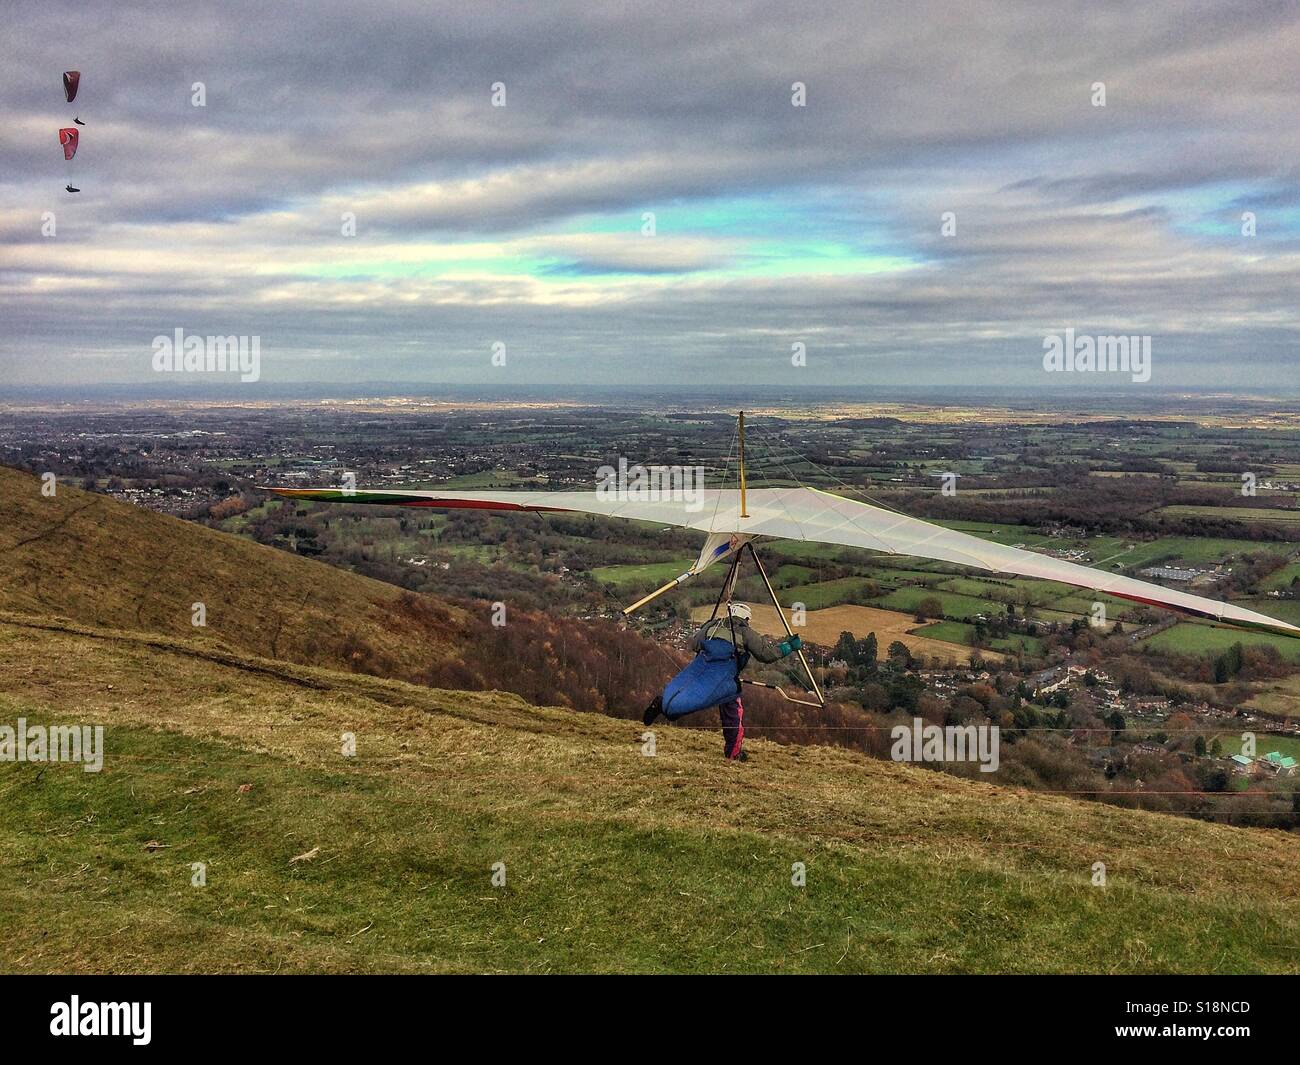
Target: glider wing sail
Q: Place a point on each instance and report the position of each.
(811, 515)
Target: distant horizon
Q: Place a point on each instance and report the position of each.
(1129, 400)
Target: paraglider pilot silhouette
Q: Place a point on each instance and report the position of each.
(723, 648)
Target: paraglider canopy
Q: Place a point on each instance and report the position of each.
(71, 79)
(68, 138)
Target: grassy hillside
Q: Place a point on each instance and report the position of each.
(97, 561)
(614, 861)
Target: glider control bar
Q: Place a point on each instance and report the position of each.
(659, 591)
(781, 692)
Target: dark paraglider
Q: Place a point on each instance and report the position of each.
(68, 135)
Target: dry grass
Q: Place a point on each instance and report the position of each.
(95, 560)
(950, 875)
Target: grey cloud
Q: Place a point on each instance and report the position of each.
(913, 109)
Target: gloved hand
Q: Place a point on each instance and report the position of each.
(790, 645)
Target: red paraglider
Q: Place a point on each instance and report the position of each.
(68, 138)
(71, 79)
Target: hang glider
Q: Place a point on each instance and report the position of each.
(732, 518)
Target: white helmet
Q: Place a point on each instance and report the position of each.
(739, 611)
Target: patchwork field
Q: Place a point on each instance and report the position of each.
(824, 627)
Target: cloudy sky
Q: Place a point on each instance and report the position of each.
(529, 224)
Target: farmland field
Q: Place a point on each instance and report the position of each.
(830, 593)
(960, 632)
(1199, 549)
(1282, 578)
(1278, 698)
(636, 575)
(1268, 515)
(954, 606)
(1192, 638)
(824, 627)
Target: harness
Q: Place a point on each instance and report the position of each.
(740, 658)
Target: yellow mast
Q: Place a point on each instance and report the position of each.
(744, 513)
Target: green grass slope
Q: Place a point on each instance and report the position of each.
(95, 560)
(614, 861)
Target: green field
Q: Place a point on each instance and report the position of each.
(1000, 534)
(954, 606)
(1198, 550)
(961, 633)
(1264, 743)
(949, 631)
(1193, 638)
(1282, 578)
(647, 573)
(1007, 590)
(1017, 643)
(789, 574)
(485, 553)
(1270, 515)
(830, 593)
(894, 577)
(806, 549)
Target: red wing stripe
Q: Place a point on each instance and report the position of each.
(481, 504)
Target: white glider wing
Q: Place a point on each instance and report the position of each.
(810, 515)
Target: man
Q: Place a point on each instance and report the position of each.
(723, 648)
